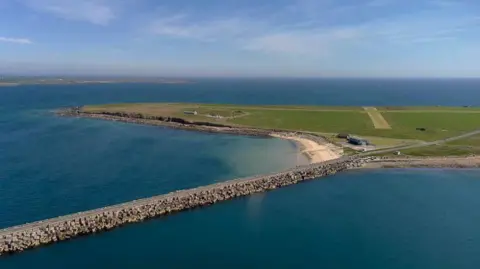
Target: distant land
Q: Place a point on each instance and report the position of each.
(8, 81)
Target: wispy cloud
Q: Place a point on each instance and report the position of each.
(306, 28)
(446, 3)
(22, 41)
(312, 42)
(425, 26)
(379, 3)
(180, 26)
(93, 11)
(256, 35)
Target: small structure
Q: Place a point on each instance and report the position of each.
(397, 153)
(343, 135)
(190, 112)
(358, 141)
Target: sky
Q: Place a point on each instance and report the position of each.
(216, 38)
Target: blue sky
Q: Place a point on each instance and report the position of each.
(299, 38)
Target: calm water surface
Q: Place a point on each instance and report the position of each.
(370, 219)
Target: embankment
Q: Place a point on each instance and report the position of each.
(19, 238)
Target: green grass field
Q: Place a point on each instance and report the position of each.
(441, 150)
(439, 122)
(315, 121)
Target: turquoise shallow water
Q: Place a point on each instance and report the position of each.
(362, 219)
(68, 165)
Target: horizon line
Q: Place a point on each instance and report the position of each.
(4, 76)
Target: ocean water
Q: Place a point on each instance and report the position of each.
(364, 219)
(373, 219)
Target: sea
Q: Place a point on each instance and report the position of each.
(400, 218)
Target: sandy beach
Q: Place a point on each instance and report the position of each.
(314, 151)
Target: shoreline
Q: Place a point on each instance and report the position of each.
(8, 84)
(316, 148)
(170, 122)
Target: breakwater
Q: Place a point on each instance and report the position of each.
(19, 238)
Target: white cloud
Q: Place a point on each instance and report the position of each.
(311, 42)
(23, 41)
(180, 27)
(425, 26)
(93, 11)
(406, 30)
(255, 35)
(285, 43)
(288, 31)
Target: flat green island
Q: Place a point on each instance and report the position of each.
(386, 127)
(62, 80)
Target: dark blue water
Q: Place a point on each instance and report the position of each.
(375, 219)
(369, 219)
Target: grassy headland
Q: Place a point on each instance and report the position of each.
(408, 124)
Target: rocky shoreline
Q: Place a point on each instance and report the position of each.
(171, 122)
(19, 238)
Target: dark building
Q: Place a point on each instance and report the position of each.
(358, 141)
